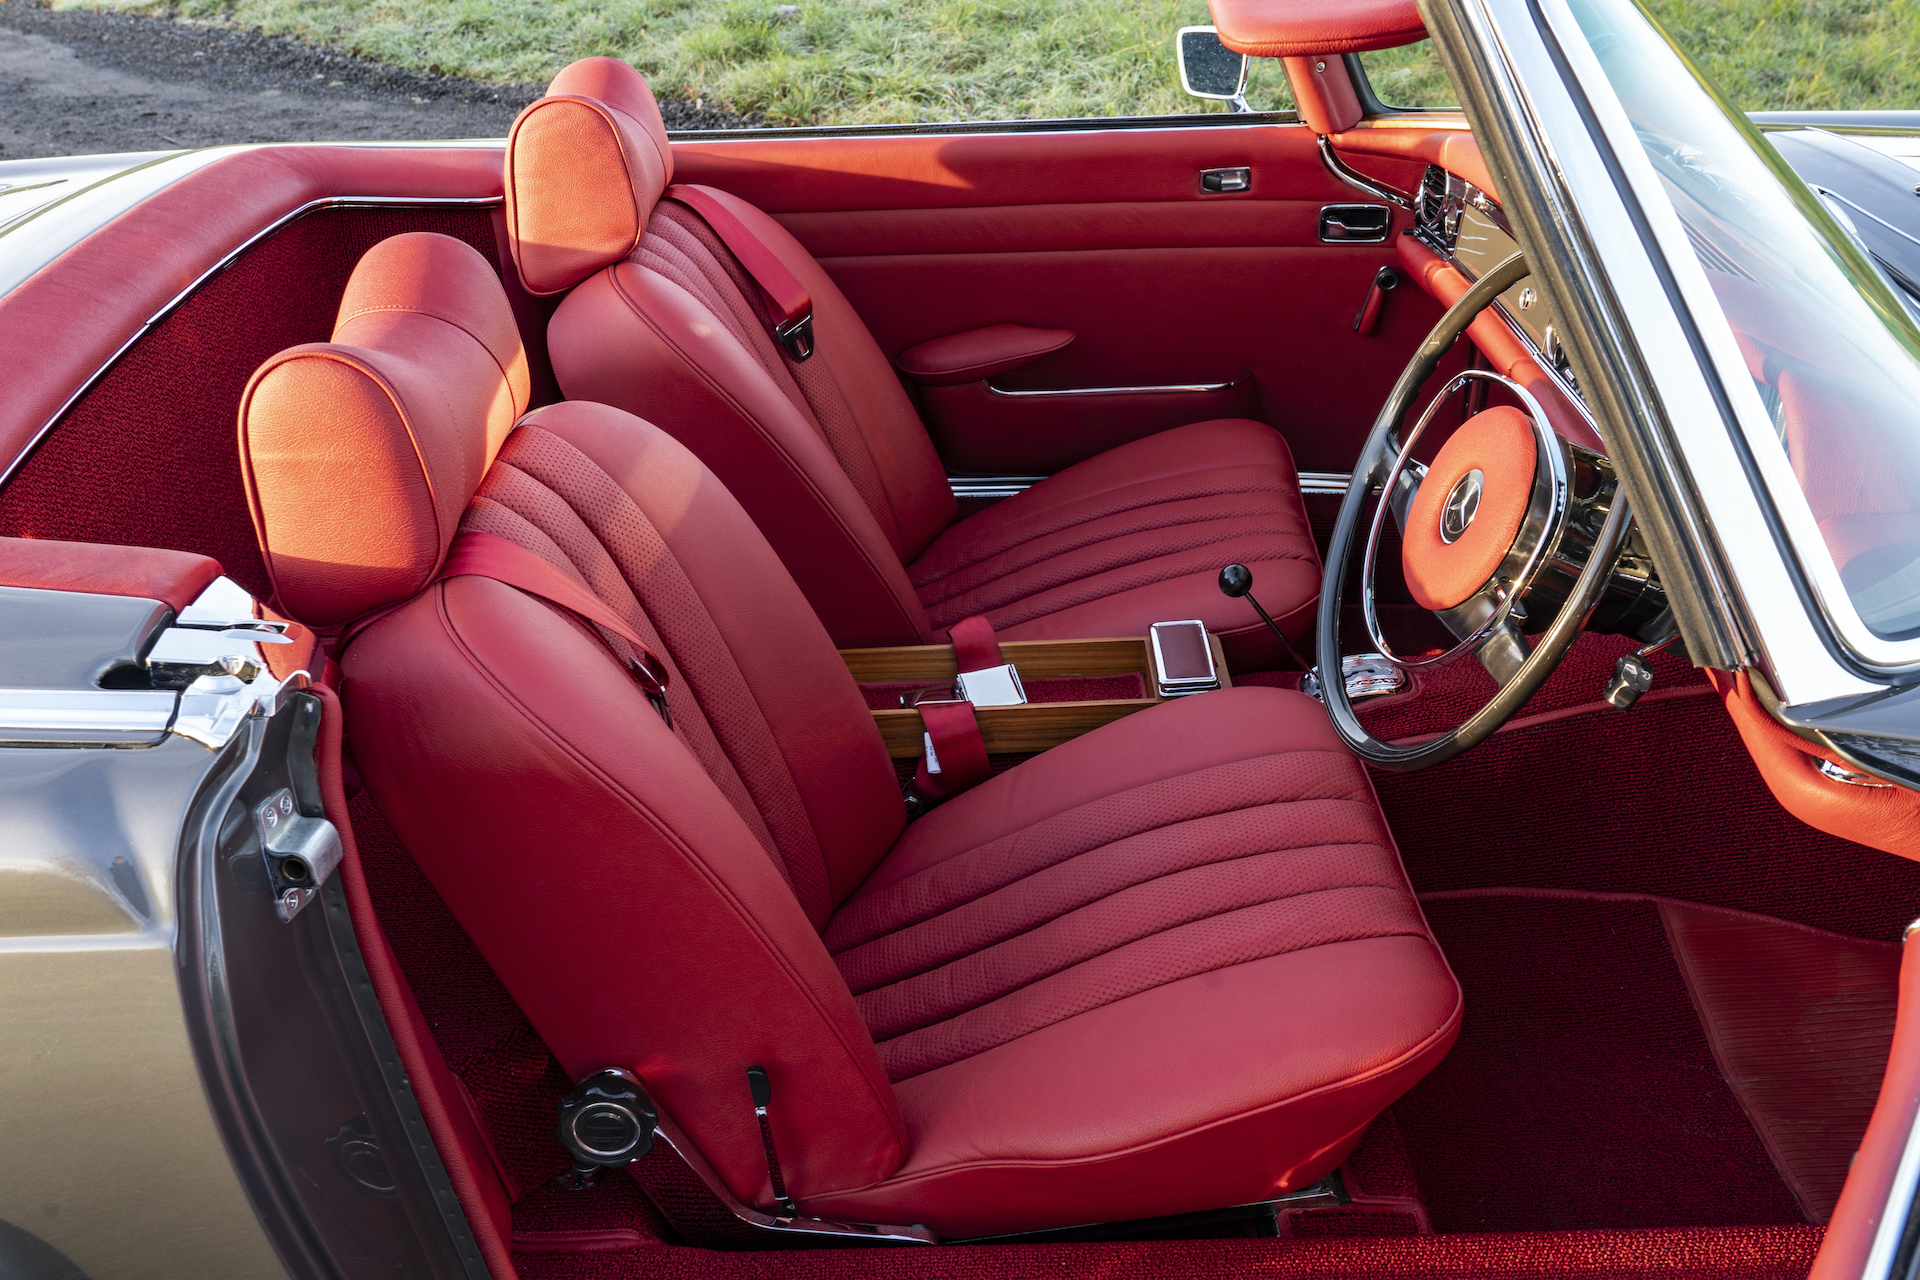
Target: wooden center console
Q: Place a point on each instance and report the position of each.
(1048, 668)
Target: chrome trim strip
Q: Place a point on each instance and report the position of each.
(1325, 483)
(991, 486)
(117, 712)
(1168, 389)
(1360, 181)
(179, 299)
(1072, 124)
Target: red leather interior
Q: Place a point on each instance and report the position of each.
(1091, 231)
(829, 456)
(422, 313)
(1452, 148)
(1324, 94)
(1229, 886)
(585, 165)
(175, 578)
(1885, 818)
(58, 328)
(1295, 28)
(1136, 536)
(1499, 443)
(978, 354)
(654, 895)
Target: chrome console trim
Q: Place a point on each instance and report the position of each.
(991, 486)
(1166, 389)
(85, 717)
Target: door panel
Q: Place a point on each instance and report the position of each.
(1107, 233)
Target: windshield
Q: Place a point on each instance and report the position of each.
(1835, 358)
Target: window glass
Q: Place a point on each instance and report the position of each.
(1832, 352)
(1410, 76)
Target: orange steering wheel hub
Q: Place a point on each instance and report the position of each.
(1469, 508)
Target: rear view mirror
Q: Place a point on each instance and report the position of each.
(1208, 69)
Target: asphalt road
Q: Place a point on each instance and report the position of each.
(80, 83)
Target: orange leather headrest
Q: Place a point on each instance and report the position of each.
(360, 454)
(1300, 28)
(585, 166)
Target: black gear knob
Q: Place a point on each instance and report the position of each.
(1235, 581)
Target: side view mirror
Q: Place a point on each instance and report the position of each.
(1208, 69)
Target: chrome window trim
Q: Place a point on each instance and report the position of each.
(1770, 571)
(178, 300)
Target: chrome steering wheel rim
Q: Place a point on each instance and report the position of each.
(1550, 646)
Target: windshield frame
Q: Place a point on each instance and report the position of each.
(1770, 470)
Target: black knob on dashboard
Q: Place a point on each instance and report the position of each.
(1235, 581)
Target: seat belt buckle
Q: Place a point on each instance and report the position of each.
(993, 687)
(797, 337)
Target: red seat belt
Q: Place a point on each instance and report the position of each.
(953, 734)
(787, 299)
(487, 555)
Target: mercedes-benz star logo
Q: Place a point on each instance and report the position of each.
(1462, 505)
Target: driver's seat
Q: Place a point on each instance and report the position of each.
(1173, 965)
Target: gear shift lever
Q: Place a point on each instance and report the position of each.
(1236, 580)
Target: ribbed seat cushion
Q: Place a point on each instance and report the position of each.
(1135, 536)
(1197, 909)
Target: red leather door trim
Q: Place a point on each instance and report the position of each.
(1106, 233)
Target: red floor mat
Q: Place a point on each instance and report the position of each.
(1801, 1022)
(1739, 1253)
(1583, 1091)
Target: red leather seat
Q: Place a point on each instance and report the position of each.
(829, 456)
(1170, 966)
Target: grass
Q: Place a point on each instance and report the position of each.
(883, 61)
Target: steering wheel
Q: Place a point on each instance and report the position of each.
(1478, 524)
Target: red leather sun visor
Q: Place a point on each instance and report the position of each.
(1298, 28)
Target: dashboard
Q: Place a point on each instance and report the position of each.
(1465, 226)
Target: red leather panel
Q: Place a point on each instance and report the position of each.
(980, 431)
(1007, 171)
(1800, 1021)
(979, 353)
(1293, 28)
(1497, 341)
(643, 341)
(59, 327)
(1499, 443)
(1453, 149)
(1136, 536)
(359, 455)
(584, 166)
(1884, 818)
(1197, 910)
(1324, 93)
(175, 578)
(1869, 1185)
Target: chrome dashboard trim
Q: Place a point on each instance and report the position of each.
(1360, 181)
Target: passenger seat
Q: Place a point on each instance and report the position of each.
(827, 453)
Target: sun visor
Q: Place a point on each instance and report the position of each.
(1300, 28)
